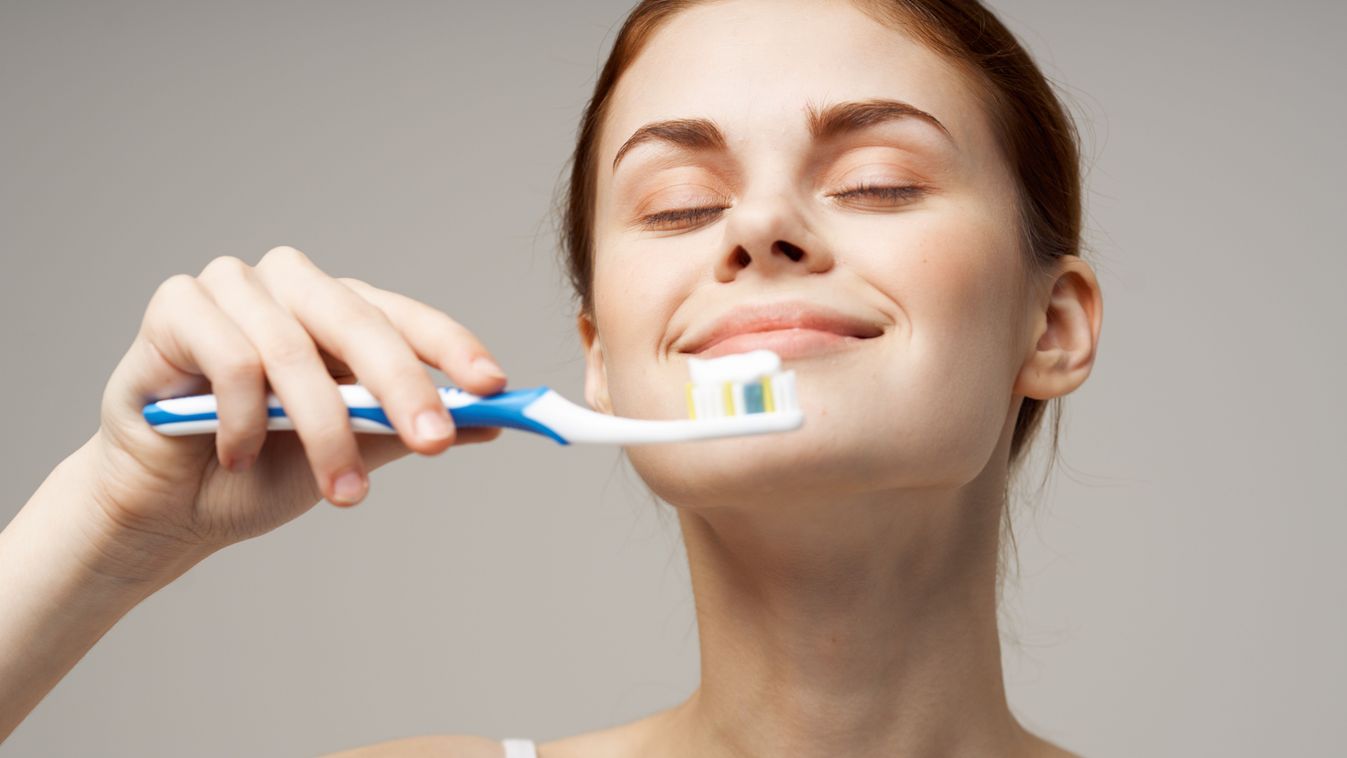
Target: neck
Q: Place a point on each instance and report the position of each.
(865, 626)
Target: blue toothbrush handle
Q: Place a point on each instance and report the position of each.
(505, 409)
(197, 414)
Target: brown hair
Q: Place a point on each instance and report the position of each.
(1035, 134)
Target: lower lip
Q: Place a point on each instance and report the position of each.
(787, 343)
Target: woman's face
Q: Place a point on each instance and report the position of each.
(933, 265)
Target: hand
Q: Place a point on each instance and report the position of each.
(238, 331)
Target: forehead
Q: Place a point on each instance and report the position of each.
(752, 65)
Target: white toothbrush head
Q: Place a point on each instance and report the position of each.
(730, 396)
(739, 385)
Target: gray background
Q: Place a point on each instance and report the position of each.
(1182, 587)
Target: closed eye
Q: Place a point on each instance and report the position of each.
(692, 216)
(673, 218)
(898, 193)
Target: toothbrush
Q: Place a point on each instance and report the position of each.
(729, 396)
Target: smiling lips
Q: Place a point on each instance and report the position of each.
(792, 329)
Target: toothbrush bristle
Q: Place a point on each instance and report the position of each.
(766, 395)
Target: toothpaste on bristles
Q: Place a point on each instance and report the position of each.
(739, 384)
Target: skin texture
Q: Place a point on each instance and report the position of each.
(844, 573)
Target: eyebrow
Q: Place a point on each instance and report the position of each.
(824, 124)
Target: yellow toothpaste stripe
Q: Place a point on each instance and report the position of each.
(692, 404)
(729, 398)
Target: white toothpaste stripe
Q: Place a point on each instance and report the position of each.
(708, 396)
(739, 367)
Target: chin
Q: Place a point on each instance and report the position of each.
(854, 440)
(840, 451)
(809, 463)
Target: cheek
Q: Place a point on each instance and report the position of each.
(635, 297)
(955, 275)
(960, 291)
(957, 285)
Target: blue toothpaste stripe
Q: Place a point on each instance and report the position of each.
(753, 398)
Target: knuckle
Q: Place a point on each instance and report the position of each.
(369, 340)
(170, 292)
(300, 295)
(245, 368)
(463, 348)
(449, 334)
(300, 290)
(462, 336)
(364, 321)
(334, 428)
(327, 431)
(289, 352)
(411, 387)
(354, 283)
(224, 265)
(283, 255)
(176, 286)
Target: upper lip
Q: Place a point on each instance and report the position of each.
(787, 314)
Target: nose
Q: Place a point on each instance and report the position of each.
(772, 237)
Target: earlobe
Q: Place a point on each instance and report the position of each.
(1067, 328)
(596, 376)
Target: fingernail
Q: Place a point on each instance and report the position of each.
(431, 426)
(484, 365)
(349, 488)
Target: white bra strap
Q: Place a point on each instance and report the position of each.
(519, 748)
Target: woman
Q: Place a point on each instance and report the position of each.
(891, 188)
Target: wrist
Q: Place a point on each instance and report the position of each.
(111, 551)
(66, 579)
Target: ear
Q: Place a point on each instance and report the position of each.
(1066, 333)
(596, 375)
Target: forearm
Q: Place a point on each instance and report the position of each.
(57, 596)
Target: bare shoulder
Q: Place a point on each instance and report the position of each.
(429, 746)
(620, 741)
